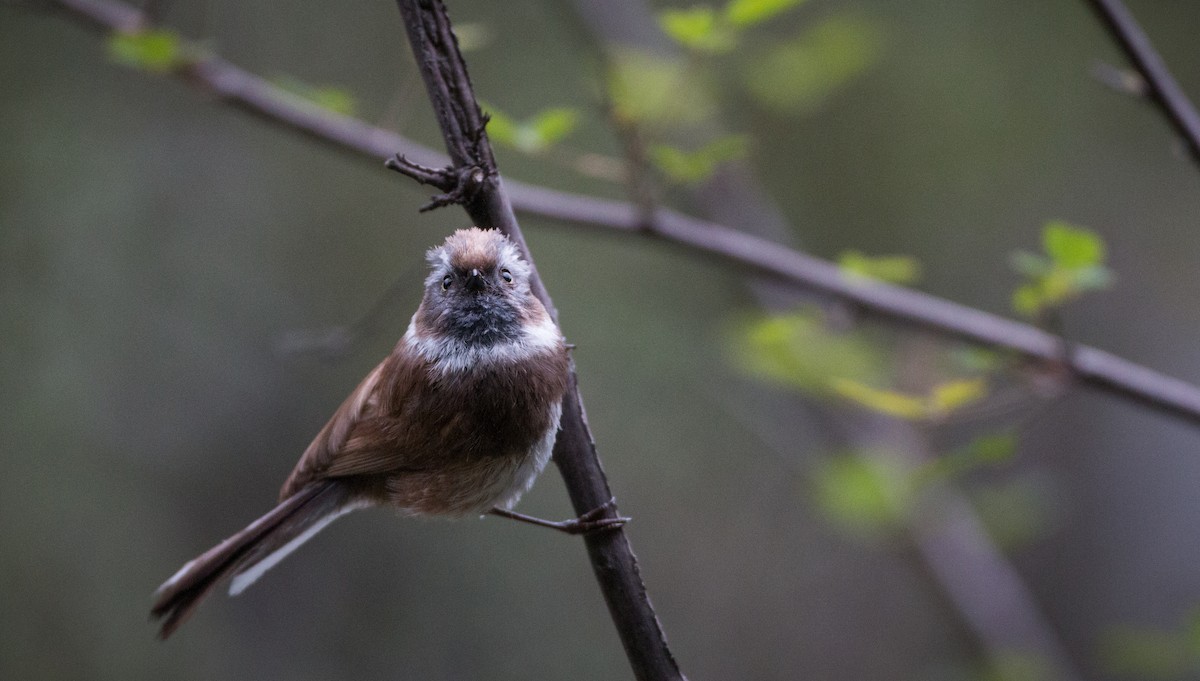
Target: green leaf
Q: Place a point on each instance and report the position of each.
(501, 128)
(652, 89)
(156, 50)
(1072, 247)
(797, 350)
(880, 400)
(1074, 264)
(679, 165)
(898, 269)
(985, 450)
(744, 13)
(952, 395)
(334, 99)
(698, 28)
(1057, 287)
(553, 125)
(941, 401)
(866, 492)
(533, 136)
(697, 166)
(801, 75)
(688, 26)
(1027, 300)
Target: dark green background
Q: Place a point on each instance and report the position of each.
(154, 245)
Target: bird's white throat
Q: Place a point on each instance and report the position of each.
(451, 355)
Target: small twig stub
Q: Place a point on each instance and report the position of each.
(459, 186)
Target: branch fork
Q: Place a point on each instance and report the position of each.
(458, 185)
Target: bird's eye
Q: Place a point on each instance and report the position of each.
(506, 275)
(446, 281)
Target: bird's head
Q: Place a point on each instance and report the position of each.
(477, 292)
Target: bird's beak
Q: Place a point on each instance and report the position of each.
(476, 282)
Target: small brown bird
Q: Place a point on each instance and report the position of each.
(458, 420)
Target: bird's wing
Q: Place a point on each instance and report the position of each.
(362, 436)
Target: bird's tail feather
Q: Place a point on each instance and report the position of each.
(251, 552)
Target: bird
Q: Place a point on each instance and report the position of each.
(458, 420)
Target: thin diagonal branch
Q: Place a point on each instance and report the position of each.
(1162, 87)
(1093, 368)
(449, 88)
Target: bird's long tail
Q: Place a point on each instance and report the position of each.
(251, 552)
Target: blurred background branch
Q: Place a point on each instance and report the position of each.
(1160, 86)
(982, 588)
(1092, 367)
(953, 550)
(914, 538)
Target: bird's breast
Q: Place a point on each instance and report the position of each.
(478, 429)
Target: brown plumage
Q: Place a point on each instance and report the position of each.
(457, 420)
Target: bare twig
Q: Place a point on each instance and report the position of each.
(1161, 86)
(445, 74)
(1094, 368)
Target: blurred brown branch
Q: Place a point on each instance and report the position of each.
(474, 182)
(1161, 86)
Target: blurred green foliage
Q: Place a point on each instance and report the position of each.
(867, 493)
(534, 134)
(1149, 653)
(875, 491)
(1012, 665)
(696, 166)
(1018, 510)
(797, 350)
(746, 13)
(148, 419)
(709, 30)
(988, 449)
(336, 99)
(799, 75)
(656, 91)
(1072, 263)
(699, 28)
(792, 74)
(895, 269)
(941, 400)
(155, 50)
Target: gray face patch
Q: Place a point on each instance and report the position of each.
(482, 318)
